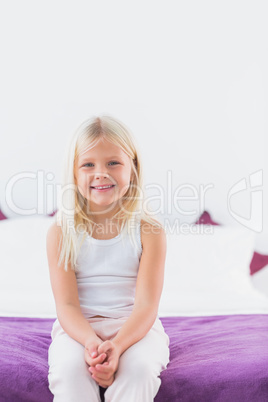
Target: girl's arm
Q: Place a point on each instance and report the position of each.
(148, 288)
(64, 287)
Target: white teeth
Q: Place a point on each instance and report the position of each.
(99, 188)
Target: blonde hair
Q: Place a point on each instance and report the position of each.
(72, 214)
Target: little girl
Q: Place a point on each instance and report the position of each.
(106, 258)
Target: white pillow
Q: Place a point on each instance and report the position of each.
(207, 273)
(25, 285)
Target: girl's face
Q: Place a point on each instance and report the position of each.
(103, 175)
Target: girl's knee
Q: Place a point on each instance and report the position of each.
(134, 382)
(143, 364)
(139, 370)
(70, 368)
(67, 367)
(70, 381)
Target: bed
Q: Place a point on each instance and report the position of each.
(216, 319)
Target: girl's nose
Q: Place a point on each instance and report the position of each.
(99, 175)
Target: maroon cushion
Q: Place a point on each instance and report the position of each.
(2, 216)
(52, 213)
(206, 219)
(258, 261)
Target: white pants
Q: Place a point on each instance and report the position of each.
(137, 377)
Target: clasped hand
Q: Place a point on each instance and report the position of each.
(102, 358)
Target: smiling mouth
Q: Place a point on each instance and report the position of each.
(102, 188)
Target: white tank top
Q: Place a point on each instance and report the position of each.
(106, 274)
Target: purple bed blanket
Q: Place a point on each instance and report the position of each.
(219, 359)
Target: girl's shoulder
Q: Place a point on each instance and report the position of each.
(53, 239)
(152, 233)
(54, 231)
(151, 225)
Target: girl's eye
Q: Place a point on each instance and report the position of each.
(90, 164)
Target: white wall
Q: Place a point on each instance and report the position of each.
(188, 77)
